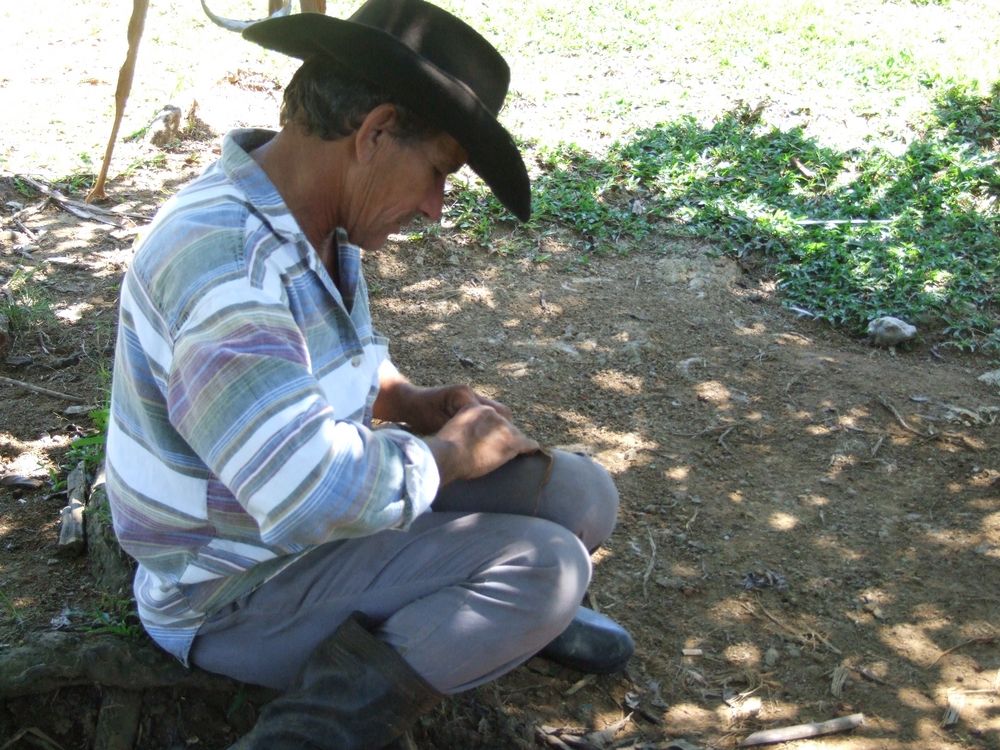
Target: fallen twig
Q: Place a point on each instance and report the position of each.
(721, 440)
(983, 640)
(956, 702)
(72, 537)
(549, 735)
(28, 233)
(650, 565)
(725, 429)
(853, 222)
(35, 735)
(580, 684)
(77, 208)
(802, 169)
(80, 208)
(899, 418)
(802, 731)
(791, 631)
(878, 444)
(872, 677)
(43, 391)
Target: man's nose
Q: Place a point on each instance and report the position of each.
(433, 202)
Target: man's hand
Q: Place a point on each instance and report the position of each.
(477, 440)
(432, 408)
(470, 435)
(427, 410)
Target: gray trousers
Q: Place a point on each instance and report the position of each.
(470, 591)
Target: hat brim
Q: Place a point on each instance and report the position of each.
(441, 99)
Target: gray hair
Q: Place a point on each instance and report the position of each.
(330, 102)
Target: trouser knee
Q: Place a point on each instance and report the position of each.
(583, 495)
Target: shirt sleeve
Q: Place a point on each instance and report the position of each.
(241, 394)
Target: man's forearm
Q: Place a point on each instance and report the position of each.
(394, 392)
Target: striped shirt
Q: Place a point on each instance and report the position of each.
(241, 403)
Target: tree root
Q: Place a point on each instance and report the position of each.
(57, 660)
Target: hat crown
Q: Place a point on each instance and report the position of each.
(425, 59)
(444, 40)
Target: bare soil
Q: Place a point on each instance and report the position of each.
(810, 526)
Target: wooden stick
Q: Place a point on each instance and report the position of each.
(43, 391)
(983, 639)
(899, 418)
(651, 565)
(802, 731)
(852, 222)
(136, 23)
(81, 210)
(800, 636)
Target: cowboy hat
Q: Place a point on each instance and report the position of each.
(434, 63)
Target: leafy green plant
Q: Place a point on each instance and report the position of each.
(156, 161)
(77, 181)
(11, 609)
(23, 188)
(25, 303)
(849, 236)
(115, 615)
(90, 448)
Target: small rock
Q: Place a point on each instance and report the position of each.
(20, 482)
(771, 656)
(990, 378)
(875, 611)
(166, 128)
(889, 331)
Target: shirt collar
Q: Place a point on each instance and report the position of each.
(260, 193)
(253, 182)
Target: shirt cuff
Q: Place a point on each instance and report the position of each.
(421, 478)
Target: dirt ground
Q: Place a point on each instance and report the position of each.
(810, 526)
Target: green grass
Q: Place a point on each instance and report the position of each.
(115, 615)
(7, 605)
(849, 235)
(91, 448)
(25, 303)
(747, 123)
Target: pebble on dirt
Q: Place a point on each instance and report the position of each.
(990, 378)
(889, 331)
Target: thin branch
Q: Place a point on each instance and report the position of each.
(652, 563)
(79, 208)
(852, 222)
(899, 418)
(802, 731)
(43, 391)
(725, 429)
(791, 631)
(982, 640)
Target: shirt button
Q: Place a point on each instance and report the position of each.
(356, 360)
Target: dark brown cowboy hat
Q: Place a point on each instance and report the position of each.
(435, 64)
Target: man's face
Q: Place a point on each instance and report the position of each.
(405, 180)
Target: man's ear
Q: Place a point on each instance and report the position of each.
(377, 126)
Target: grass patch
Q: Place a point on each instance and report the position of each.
(10, 609)
(91, 448)
(849, 235)
(115, 615)
(24, 303)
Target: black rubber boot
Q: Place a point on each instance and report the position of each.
(354, 693)
(592, 643)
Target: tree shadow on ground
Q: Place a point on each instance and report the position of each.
(850, 236)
